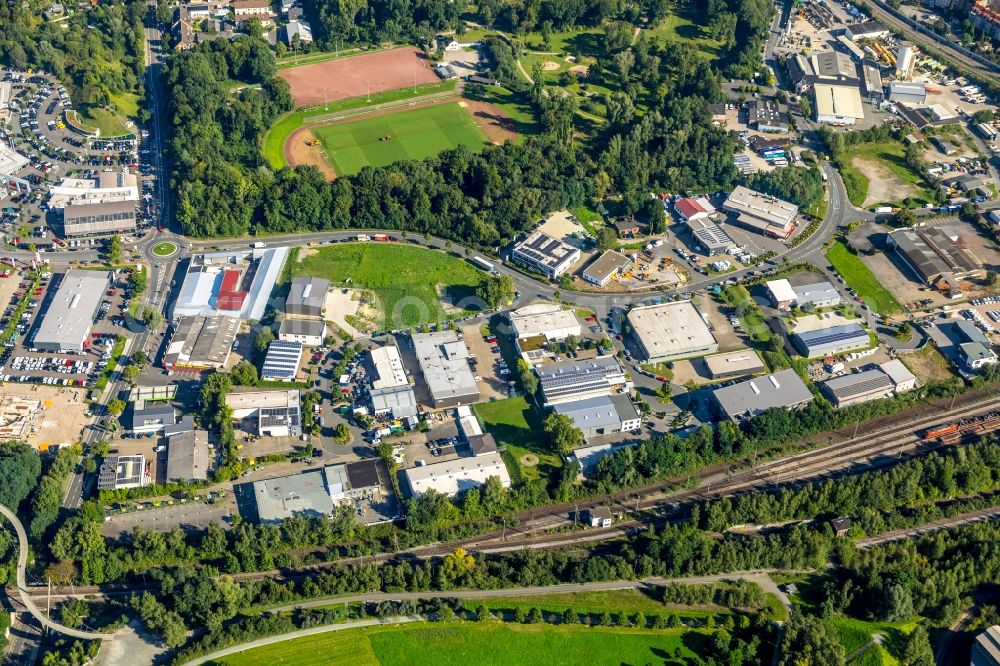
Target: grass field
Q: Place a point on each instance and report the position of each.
(111, 124)
(164, 249)
(515, 425)
(410, 292)
(461, 644)
(515, 106)
(621, 601)
(413, 135)
(680, 27)
(853, 634)
(890, 154)
(855, 182)
(277, 136)
(857, 275)
(309, 58)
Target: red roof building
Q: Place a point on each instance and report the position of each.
(693, 209)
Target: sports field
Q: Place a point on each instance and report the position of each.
(462, 644)
(405, 135)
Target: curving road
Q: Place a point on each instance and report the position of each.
(22, 586)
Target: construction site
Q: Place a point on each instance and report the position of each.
(42, 416)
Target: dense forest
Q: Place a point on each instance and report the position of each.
(224, 188)
(98, 53)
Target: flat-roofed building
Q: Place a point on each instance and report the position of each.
(902, 379)
(709, 237)
(276, 412)
(92, 219)
(389, 391)
(742, 363)
(187, 456)
(817, 295)
(761, 212)
(670, 331)
(308, 332)
(767, 115)
(282, 361)
(548, 320)
(934, 253)
(578, 379)
(602, 415)
(866, 30)
(871, 82)
(200, 343)
(235, 283)
(832, 340)
(123, 472)
(838, 104)
(152, 417)
(444, 364)
(849, 48)
(69, 317)
(456, 476)
(857, 387)
(907, 93)
(781, 293)
(607, 267)
(108, 186)
(755, 396)
(307, 296)
(546, 255)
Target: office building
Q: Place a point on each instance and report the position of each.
(818, 295)
(106, 187)
(307, 296)
(761, 213)
(69, 317)
(670, 331)
(306, 332)
(445, 365)
(578, 379)
(187, 456)
(832, 340)
(545, 254)
(602, 415)
(783, 389)
(198, 344)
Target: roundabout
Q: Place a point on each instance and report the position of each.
(165, 249)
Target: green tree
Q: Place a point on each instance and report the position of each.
(496, 290)
(20, 468)
(152, 318)
(562, 433)
(534, 616)
(342, 435)
(264, 339)
(115, 251)
(527, 377)
(607, 239)
(244, 373)
(916, 649)
(905, 217)
(131, 373)
(116, 407)
(384, 450)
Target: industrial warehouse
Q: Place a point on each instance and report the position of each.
(236, 284)
(671, 331)
(546, 255)
(831, 341)
(200, 343)
(761, 213)
(69, 318)
(444, 363)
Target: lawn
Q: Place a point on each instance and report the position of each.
(409, 282)
(854, 633)
(588, 41)
(461, 644)
(681, 27)
(405, 135)
(274, 140)
(164, 249)
(108, 122)
(615, 601)
(890, 154)
(516, 426)
(857, 275)
(515, 106)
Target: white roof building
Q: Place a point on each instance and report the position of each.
(761, 212)
(456, 476)
(546, 255)
(444, 362)
(671, 330)
(838, 105)
(106, 188)
(549, 320)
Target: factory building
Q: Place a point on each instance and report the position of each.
(742, 363)
(578, 379)
(307, 296)
(760, 212)
(444, 361)
(233, 283)
(831, 341)
(198, 344)
(602, 415)
(274, 413)
(670, 331)
(545, 254)
(784, 389)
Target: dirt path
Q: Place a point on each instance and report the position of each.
(298, 152)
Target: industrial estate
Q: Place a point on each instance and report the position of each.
(500, 332)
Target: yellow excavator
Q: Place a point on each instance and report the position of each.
(314, 142)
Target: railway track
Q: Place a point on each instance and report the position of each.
(656, 505)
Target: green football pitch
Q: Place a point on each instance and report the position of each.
(406, 135)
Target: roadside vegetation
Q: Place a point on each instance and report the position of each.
(858, 276)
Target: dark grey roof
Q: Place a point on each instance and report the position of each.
(849, 386)
(187, 456)
(481, 444)
(971, 333)
(157, 414)
(308, 293)
(282, 360)
(363, 474)
(749, 398)
(832, 335)
(311, 327)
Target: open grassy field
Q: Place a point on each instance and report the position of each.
(853, 634)
(620, 601)
(680, 27)
(857, 275)
(516, 426)
(410, 292)
(404, 135)
(514, 105)
(274, 140)
(877, 173)
(109, 122)
(461, 644)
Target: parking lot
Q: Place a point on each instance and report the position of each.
(495, 379)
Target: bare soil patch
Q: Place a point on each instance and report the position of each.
(550, 66)
(496, 125)
(61, 418)
(298, 152)
(331, 80)
(927, 364)
(882, 182)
